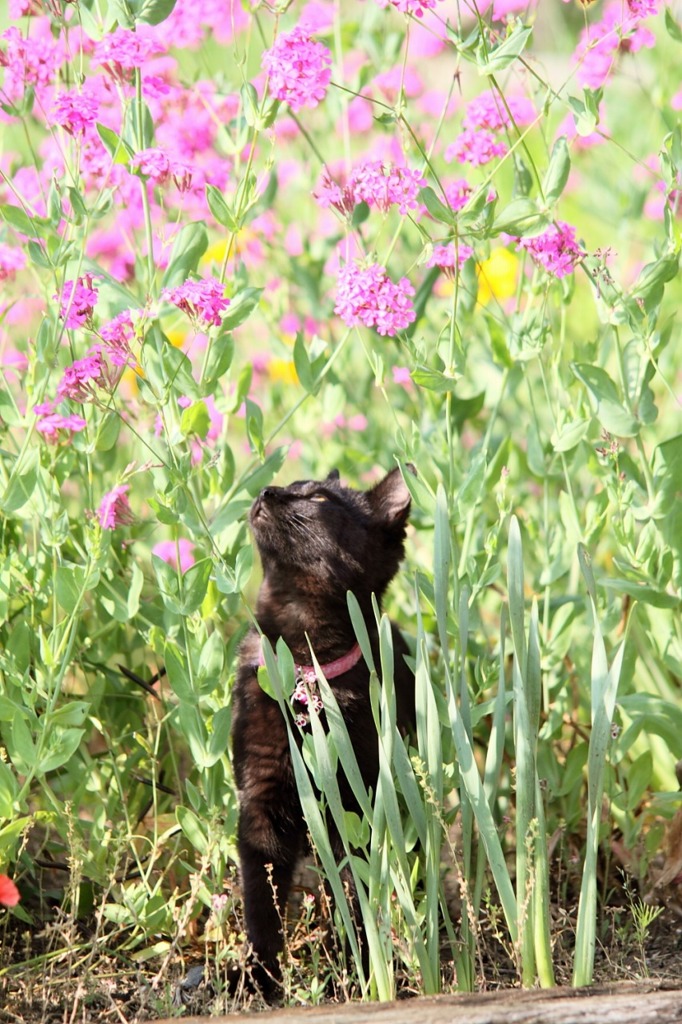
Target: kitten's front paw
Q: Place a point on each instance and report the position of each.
(252, 977)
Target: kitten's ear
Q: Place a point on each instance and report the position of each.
(390, 498)
(333, 475)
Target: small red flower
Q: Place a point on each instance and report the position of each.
(9, 894)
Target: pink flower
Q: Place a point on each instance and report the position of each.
(374, 183)
(156, 165)
(9, 894)
(29, 61)
(475, 147)
(78, 301)
(367, 295)
(50, 423)
(413, 7)
(402, 377)
(555, 250)
(489, 111)
(299, 69)
(11, 260)
(117, 335)
(457, 193)
(80, 380)
(75, 111)
(115, 508)
(203, 301)
(619, 31)
(381, 186)
(170, 551)
(123, 50)
(449, 256)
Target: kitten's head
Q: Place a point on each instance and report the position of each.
(326, 538)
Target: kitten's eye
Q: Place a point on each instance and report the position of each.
(319, 497)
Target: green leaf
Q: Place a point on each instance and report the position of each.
(8, 791)
(193, 829)
(107, 432)
(20, 745)
(241, 307)
(438, 210)
(189, 246)
(249, 98)
(254, 426)
(118, 150)
(22, 482)
(168, 583)
(502, 56)
(69, 584)
(62, 745)
(585, 112)
(152, 12)
(20, 220)
(195, 420)
(433, 380)
(569, 435)
(608, 408)
(194, 585)
(673, 26)
(521, 217)
(667, 469)
(219, 737)
(655, 275)
(178, 676)
(136, 583)
(219, 358)
(557, 172)
(220, 210)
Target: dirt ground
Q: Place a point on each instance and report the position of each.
(53, 978)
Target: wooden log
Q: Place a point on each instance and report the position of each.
(647, 1002)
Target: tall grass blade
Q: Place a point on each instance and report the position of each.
(603, 691)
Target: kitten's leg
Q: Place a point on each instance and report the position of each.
(266, 883)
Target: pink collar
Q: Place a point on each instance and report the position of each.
(331, 670)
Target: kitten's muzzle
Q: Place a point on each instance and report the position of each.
(266, 497)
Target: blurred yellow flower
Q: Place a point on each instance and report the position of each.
(216, 250)
(497, 276)
(282, 370)
(176, 336)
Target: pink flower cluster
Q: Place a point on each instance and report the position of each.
(374, 183)
(367, 295)
(490, 110)
(478, 144)
(11, 260)
(450, 257)
(75, 111)
(83, 377)
(117, 335)
(50, 423)
(30, 61)
(77, 301)
(619, 31)
(475, 146)
(123, 50)
(157, 165)
(299, 69)
(555, 250)
(203, 301)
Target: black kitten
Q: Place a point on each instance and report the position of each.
(317, 541)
